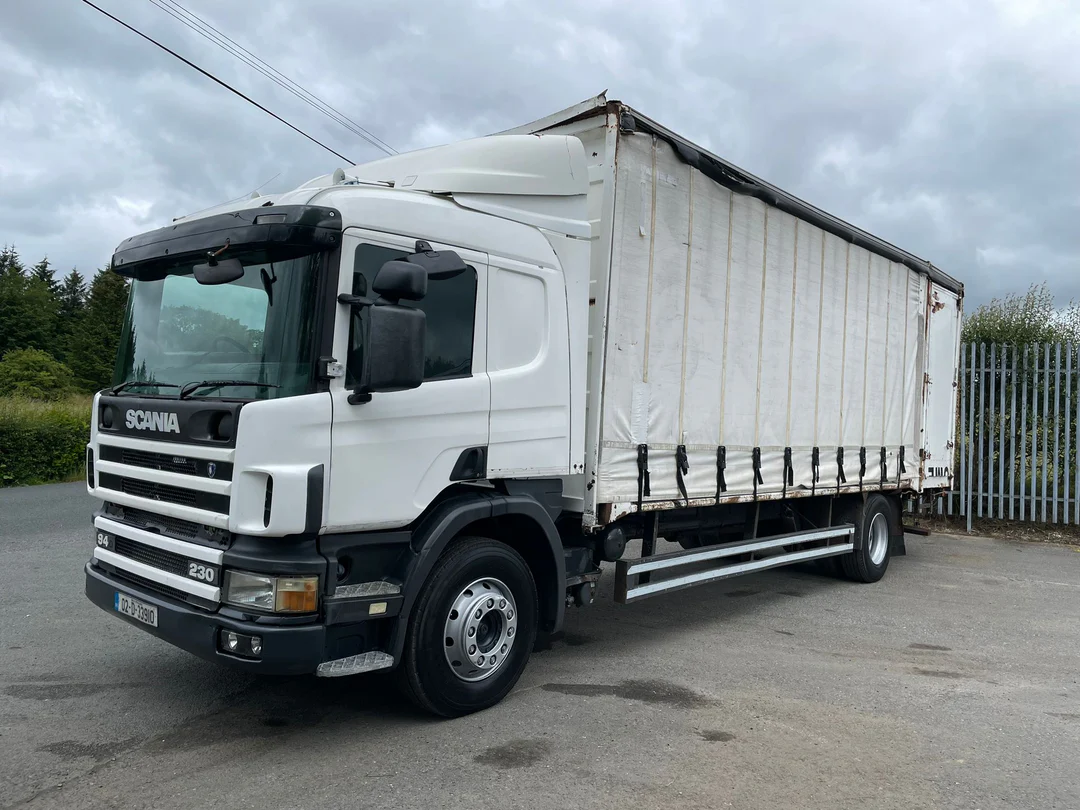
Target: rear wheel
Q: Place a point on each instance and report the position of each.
(474, 626)
(873, 527)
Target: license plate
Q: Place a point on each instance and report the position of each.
(139, 611)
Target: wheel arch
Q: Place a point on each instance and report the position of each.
(520, 521)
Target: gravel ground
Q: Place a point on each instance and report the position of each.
(951, 683)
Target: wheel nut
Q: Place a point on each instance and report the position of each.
(472, 632)
(472, 650)
(479, 613)
(502, 603)
(510, 631)
(503, 650)
(509, 614)
(491, 603)
(480, 661)
(492, 660)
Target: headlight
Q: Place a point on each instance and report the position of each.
(279, 594)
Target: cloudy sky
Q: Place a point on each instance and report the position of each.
(951, 127)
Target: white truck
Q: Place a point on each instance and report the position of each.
(400, 416)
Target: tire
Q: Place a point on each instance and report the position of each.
(874, 528)
(472, 573)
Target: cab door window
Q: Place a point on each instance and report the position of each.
(450, 307)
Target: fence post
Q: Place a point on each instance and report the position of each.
(1057, 429)
(1066, 512)
(961, 437)
(981, 412)
(1004, 360)
(1012, 441)
(1076, 468)
(1045, 425)
(988, 422)
(970, 436)
(1034, 433)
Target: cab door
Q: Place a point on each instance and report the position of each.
(392, 456)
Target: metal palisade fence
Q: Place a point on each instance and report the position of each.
(1017, 434)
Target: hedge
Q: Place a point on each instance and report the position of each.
(42, 441)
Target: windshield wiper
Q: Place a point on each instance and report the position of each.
(116, 389)
(192, 387)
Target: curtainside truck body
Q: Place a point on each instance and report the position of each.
(400, 417)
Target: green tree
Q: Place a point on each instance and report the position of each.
(70, 313)
(43, 273)
(1016, 320)
(27, 306)
(9, 261)
(93, 346)
(34, 374)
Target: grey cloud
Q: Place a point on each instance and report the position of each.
(948, 128)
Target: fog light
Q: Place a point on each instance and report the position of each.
(241, 645)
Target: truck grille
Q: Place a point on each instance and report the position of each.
(150, 585)
(164, 590)
(159, 461)
(153, 491)
(156, 557)
(167, 462)
(157, 492)
(148, 520)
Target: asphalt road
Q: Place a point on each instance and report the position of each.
(952, 683)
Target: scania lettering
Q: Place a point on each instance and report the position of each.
(406, 415)
(153, 420)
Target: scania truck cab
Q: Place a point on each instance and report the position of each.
(398, 417)
(318, 393)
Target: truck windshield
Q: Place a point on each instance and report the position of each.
(257, 329)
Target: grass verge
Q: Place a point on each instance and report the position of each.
(43, 442)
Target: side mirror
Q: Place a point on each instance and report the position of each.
(220, 271)
(397, 280)
(393, 358)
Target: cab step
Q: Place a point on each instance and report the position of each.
(789, 548)
(366, 590)
(355, 664)
(363, 600)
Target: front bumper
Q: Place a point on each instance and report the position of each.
(286, 650)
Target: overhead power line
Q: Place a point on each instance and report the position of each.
(214, 78)
(234, 48)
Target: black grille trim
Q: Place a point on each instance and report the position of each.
(176, 527)
(181, 496)
(169, 462)
(157, 492)
(157, 587)
(167, 526)
(152, 556)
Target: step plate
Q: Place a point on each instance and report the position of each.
(365, 590)
(355, 665)
(626, 571)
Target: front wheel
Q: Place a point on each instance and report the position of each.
(873, 526)
(470, 636)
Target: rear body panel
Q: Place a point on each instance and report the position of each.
(944, 318)
(719, 320)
